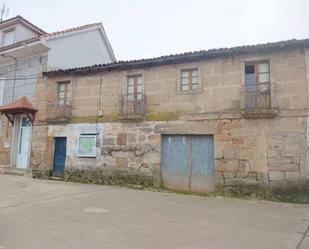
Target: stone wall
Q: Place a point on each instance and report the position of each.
(285, 154)
(262, 151)
(250, 152)
(134, 148)
(221, 93)
(5, 134)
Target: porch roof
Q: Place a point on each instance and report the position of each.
(20, 106)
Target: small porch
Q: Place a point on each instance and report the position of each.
(20, 113)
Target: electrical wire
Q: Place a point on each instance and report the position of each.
(38, 68)
(23, 78)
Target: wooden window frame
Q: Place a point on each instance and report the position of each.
(135, 85)
(191, 67)
(190, 79)
(256, 70)
(67, 88)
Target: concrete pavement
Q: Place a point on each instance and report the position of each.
(40, 214)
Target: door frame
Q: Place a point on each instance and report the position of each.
(189, 151)
(15, 149)
(53, 152)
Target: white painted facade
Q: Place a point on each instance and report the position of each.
(78, 49)
(20, 33)
(73, 132)
(27, 73)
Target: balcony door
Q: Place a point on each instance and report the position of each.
(64, 93)
(61, 108)
(135, 94)
(257, 85)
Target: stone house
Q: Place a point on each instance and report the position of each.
(25, 52)
(189, 122)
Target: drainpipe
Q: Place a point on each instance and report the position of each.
(15, 71)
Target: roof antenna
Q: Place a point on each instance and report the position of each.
(4, 11)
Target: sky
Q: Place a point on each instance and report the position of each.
(150, 28)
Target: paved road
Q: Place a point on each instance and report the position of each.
(38, 214)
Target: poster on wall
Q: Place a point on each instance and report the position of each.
(87, 146)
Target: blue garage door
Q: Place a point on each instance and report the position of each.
(188, 163)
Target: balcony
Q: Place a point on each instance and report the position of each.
(257, 101)
(132, 108)
(58, 111)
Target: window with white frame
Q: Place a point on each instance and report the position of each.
(87, 145)
(257, 73)
(8, 37)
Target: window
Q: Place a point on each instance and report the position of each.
(257, 73)
(135, 87)
(87, 145)
(64, 93)
(8, 37)
(2, 87)
(25, 122)
(189, 79)
(257, 90)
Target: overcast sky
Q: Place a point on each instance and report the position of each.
(150, 28)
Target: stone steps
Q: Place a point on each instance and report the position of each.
(57, 178)
(16, 172)
(3, 169)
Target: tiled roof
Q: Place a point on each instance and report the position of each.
(17, 44)
(20, 105)
(48, 35)
(183, 57)
(72, 29)
(20, 18)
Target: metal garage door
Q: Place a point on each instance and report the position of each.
(188, 162)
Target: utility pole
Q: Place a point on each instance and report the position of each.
(4, 11)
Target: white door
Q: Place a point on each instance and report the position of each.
(24, 143)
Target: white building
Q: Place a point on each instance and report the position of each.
(25, 52)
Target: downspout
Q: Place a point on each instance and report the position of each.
(306, 61)
(100, 97)
(99, 110)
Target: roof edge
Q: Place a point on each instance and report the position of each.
(182, 58)
(71, 30)
(52, 35)
(26, 22)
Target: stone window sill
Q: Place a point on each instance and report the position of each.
(190, 92)
(260, 113)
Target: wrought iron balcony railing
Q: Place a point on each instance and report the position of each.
(132, 107)
(257, 97)
(257, 100)
(59, 110)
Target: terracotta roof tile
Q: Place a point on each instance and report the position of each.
(20, 18)
(183, 57)
(17, 44)
(20, 105)
(72, 29)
